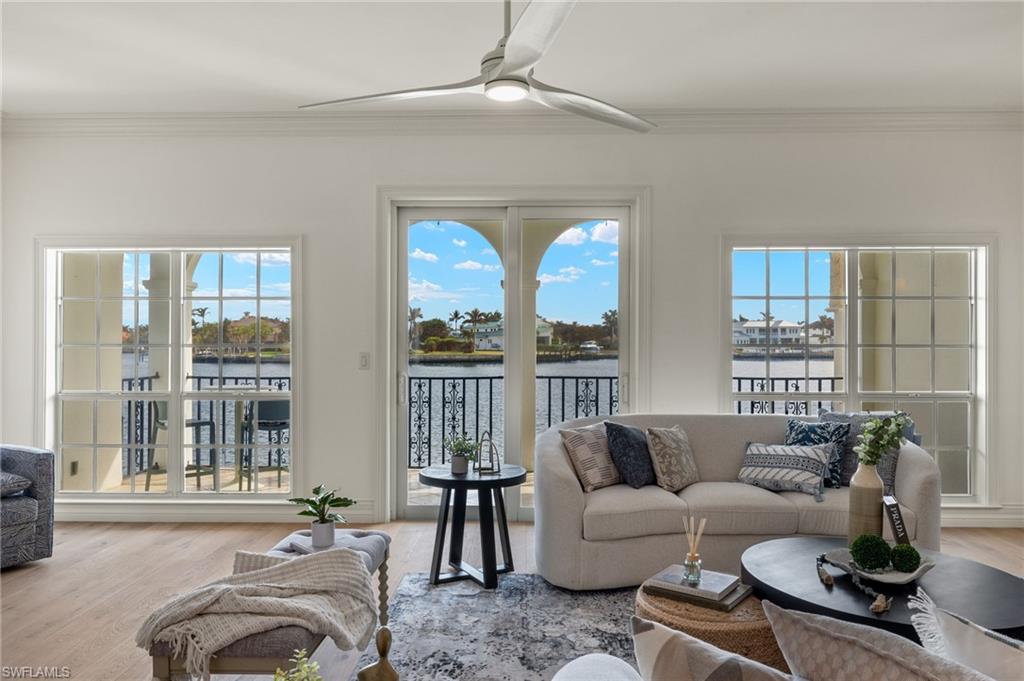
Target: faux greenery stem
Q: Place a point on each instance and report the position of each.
(880, 435)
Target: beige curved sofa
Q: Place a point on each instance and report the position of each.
(619, 536)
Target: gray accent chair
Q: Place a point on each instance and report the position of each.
(26, 518)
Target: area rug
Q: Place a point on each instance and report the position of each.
(525, 630)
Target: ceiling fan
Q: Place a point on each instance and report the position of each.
(506, 72)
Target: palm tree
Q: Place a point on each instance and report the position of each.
(415, 314)
(610, 321)
(200, 312)
(454, 318)
(474, 318)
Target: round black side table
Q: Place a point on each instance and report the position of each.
(488, 487)
(784, 572)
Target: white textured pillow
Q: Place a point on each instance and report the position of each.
(672, 458)
(664, 654)
(587, 448)
(820, 648)
(958, 639)
(787, 468)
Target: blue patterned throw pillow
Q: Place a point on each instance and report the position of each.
(812, 433)
(628, 447)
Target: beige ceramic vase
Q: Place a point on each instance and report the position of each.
(866, 491)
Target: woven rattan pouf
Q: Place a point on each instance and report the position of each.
(744, 630)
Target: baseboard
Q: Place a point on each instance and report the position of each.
(1008, 515)
(190, 511)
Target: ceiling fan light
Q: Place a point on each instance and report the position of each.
(506, 90)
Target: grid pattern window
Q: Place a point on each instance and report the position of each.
(898, 332)
(788, 330)
(237, 337)
(917, 347)
(146, 346)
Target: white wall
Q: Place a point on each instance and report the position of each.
(704, 185)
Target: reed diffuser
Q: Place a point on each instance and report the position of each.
(692, 564)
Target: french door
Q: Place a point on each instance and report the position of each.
(507, 321)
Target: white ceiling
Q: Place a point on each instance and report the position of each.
(258, 57)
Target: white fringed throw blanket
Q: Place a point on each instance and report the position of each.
(327, 593)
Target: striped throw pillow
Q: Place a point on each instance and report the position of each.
(587, 448)
(787, 468)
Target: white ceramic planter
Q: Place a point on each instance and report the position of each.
(323, 534)
(460, 465)
(866, 491)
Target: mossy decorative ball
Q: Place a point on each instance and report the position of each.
(905, 558)
(870, 552)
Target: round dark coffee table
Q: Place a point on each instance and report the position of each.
(783, 571)
(488, 486)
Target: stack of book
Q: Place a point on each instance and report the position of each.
(716, 589)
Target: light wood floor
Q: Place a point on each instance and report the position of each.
(82, 607)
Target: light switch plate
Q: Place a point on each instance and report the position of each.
(364, 361)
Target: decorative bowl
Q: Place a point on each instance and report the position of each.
(843, 560)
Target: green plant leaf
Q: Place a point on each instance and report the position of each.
(342, 502)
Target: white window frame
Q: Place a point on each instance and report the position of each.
(983, 382)
(47, 391)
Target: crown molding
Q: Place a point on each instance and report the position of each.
(296, 124)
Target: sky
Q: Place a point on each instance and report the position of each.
(787, 268)
(452, 267)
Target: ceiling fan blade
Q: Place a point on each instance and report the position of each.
(581, 105)
(532, 35)
(471, 85)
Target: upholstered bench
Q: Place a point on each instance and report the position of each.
(266, 652)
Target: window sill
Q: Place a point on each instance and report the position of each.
(177, 509)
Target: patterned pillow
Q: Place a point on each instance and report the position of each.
(664, 654)
(628, 447)
(11, 484)
(821, 433)
(962, 641)
(787, 468)
(672, 457)
(587, 448)
(887, 466)
(819, 648)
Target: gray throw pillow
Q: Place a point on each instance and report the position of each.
(587, 448)
(628, 447)
(11, 484)
(672, 458)
(787, 468)
(887, 466)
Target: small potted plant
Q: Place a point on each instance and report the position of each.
(463, 450)
(878, 436)
(321, 507)
(304, 670)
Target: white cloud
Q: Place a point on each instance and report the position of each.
(614, 254)
(574, 236)
(573, 272)
(566, 275)
(432, 226)
(488, 251)
(428, 290)
(461, 243)
(474, 265)
(419, 254)
(606, 283)
(605, 232)
(269, 259)
(601, 263)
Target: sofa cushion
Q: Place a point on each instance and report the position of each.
(628, 447)
(11, 484)
(17, 510)
(784, 468)
(587, 448)
(822, 433)
(672, 457)
(831, 517)
(621, 512)
(738, 508)
(819, 648)
(857, 419)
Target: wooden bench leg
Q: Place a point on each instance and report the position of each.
(161, 669)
